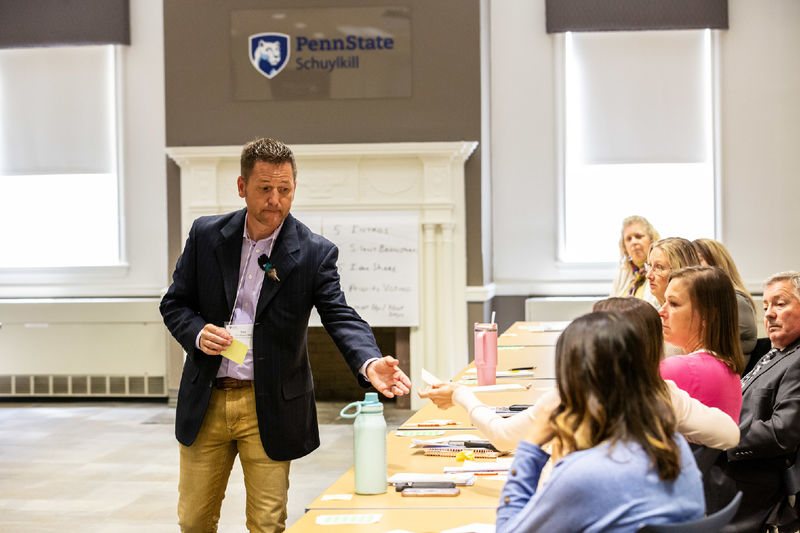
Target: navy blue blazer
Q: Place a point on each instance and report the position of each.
(203, 291)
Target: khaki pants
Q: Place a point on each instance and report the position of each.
(230, 427)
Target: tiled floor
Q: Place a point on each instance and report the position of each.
(113, 467)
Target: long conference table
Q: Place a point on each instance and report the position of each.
(339, 509)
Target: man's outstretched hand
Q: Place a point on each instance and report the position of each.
(386, 376)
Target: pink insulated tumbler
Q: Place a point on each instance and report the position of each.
(486, 352)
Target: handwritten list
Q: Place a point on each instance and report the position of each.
(378, 264)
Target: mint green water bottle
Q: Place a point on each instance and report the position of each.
(369, 444)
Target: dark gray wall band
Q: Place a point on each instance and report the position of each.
(28, 23)
(619, 15)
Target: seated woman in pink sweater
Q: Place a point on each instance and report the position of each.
(700, 315)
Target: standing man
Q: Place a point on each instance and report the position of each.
(762, 464)
(257, 271)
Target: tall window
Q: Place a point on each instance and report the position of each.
(638, 137)
(59, 193)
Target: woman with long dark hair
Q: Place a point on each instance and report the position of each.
(621, 462)
(700, 315)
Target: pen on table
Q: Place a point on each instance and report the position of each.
(471, 444)
(521, 368)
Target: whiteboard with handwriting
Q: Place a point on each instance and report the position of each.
(378, 264)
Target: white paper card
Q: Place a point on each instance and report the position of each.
(343, 497)
(336, 519)
(242, 333)
(475, 527)
(429, 378)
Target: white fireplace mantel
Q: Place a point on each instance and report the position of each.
(426, 178)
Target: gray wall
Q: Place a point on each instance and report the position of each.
(445, 104)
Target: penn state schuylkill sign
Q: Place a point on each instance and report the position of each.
(321, 53)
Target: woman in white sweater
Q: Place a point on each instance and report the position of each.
(699, 424)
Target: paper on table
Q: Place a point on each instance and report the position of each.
(236, 352)
(334, 519)
(461, 478)
(419, 432)
(344, 497)
(498, 387)
(502, 373)
(475, 527)
(432, 423)
(500, 465)
(445, 441)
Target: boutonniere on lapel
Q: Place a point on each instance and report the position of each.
(269, 268)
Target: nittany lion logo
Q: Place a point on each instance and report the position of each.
(269, 52)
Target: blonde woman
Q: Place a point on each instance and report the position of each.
(634, 243)
(713, 253)
(666, 256)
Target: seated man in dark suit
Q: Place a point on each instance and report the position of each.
(254, 275)
(760, 466)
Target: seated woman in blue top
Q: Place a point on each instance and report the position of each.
(621, 463)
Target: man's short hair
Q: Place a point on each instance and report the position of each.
(268, 151)
(792, 276)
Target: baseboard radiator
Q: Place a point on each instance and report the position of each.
(86, 386)
(95, 348)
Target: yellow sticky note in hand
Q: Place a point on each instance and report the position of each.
(236, 352)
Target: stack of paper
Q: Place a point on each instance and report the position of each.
(501, 465)
(459, 478)
(461, 440)
(472, 373)
(432, 423)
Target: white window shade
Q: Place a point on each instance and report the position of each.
(59, 201)
(638, 138)
(56, 107)
(639, 97)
